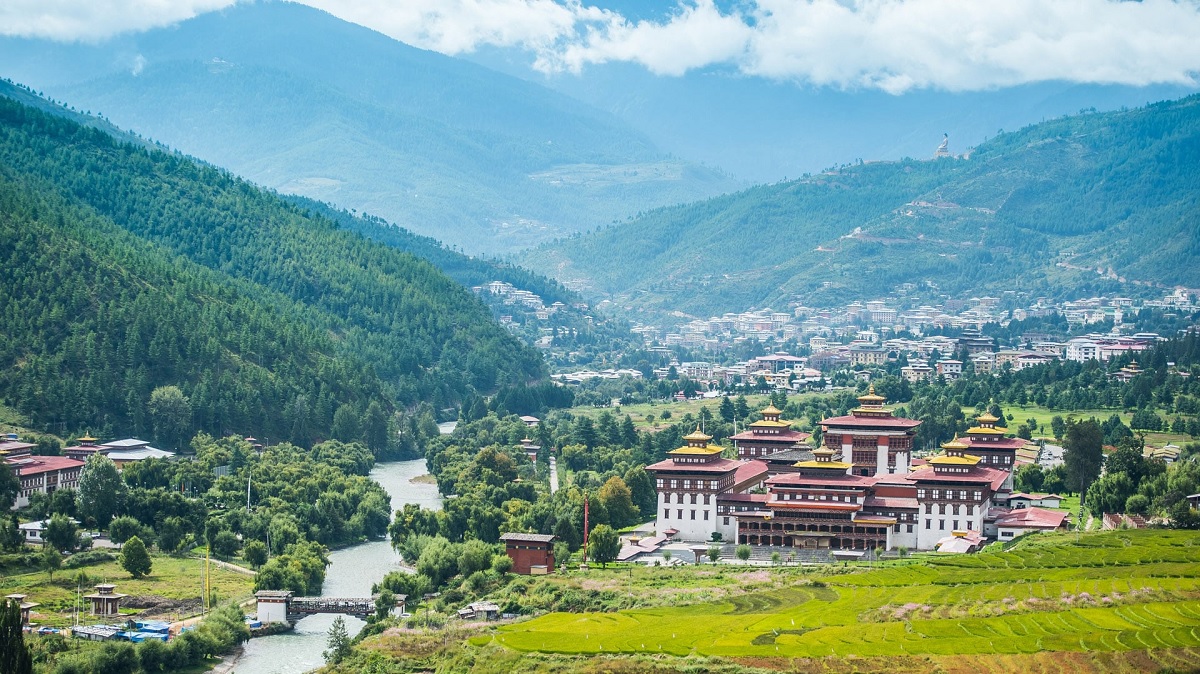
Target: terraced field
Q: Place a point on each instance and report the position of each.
(1105, 592)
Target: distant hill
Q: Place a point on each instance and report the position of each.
(127, 268)
(1083, 204)
(302, 102)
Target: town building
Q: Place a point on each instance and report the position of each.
(871, 438)
(916, 372)
(949, 369)
(45, 474)
(768, 436)
(32, 532)
(531, 554)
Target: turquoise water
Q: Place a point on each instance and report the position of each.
(351, 573)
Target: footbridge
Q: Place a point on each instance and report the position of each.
(281, 606)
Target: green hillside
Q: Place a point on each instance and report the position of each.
(128, 268)
(302, 102)
(1090, 203)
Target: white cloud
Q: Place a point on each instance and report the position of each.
(92, 20)
(893, 45)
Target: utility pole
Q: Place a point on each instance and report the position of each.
(585, 530)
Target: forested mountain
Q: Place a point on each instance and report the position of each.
(297, 100)
(1082, 204)
(128, 268)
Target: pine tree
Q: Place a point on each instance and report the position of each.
(14, 654)
(339, 642)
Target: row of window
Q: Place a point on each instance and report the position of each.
(942, 509)
(942, 525)
(805, 496)
(688, 484)
(960, 494)
(679, 497)
(667, 514)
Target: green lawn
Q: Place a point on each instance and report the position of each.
(1109, 591)
(1043, 415)
(173, 578)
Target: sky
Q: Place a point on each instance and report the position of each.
(894, 46)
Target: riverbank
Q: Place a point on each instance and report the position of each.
(352, 572)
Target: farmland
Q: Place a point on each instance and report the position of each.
(1105, 592)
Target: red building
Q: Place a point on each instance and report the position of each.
(768, 436)
(876, 442)
(531, 554)
(46, 474)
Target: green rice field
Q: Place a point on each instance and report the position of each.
(1111, 591)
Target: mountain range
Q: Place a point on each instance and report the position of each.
(1097, 202)
(301, 102)
(127, 268)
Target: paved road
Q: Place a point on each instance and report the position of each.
(553, 475)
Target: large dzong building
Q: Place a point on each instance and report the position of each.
(861, 490)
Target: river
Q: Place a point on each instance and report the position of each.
(351, 573)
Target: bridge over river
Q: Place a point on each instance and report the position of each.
(280, 606)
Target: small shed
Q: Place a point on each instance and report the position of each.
(19, 600)
(95, 632)
(480, 609)
(529, 550)
(106, 601)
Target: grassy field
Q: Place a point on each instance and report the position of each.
(640, 411)
(174, 582)
(1105, 592)
(1043, 415)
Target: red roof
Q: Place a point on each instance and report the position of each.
(871, 422)
(813, 505)
(890, 502)
(43, 464)
(714, 466)
(749, 470)
(977, 475)
(1032, 518)
(788, 436)
(839, 480)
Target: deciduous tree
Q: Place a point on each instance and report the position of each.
(135, 559)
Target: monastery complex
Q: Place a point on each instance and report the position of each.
(861, 490)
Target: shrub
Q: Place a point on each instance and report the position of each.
(81, 559)
(743, 552)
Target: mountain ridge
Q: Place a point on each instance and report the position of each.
(1027, 210)
(297, 100)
